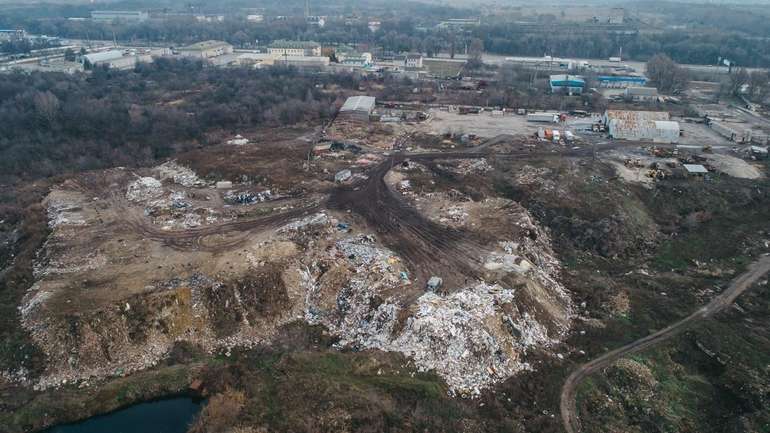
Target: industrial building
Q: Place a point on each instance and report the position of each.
(12, 34)
(206, 49)
(303, 62)
(641, 94)
(358, 108)
(653, 126)
(547, 63)
(115, 59)
(127, 16)
(459, 23)
(621, 81)
(569, 84)
(295, 48)
(362, 60)
(413, 61)
(256, 60)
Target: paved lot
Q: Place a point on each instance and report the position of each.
(482, 124)
(701, 135)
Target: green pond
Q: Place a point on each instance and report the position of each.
(161, 416)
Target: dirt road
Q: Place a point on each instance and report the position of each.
(725, 299)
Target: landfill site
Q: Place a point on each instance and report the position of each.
(439, 234)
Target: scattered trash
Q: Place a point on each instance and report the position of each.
(343, 175)
(179, 174)
(434, 283)
(144, 188)
(248, 197)
(238, 141)
(319, 219)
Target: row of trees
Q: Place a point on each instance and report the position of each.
(683, 47)
(55, 122)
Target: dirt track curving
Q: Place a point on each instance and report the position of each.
(725, 299)
(429, 248)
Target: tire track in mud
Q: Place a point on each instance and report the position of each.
(199, 238)
(429, 248)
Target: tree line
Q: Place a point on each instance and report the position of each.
(55, 122)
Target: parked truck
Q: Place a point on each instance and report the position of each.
(543, 117)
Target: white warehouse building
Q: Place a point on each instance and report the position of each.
(655, 126)
(358, 108)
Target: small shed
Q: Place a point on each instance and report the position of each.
(642, 93)
(695, 169)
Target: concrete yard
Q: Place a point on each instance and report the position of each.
(699, 134)
(483, 124)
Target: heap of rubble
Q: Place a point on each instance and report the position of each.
(144, 188)
(179, 174)
(473, 338)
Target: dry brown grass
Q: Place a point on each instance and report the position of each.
(221, 413)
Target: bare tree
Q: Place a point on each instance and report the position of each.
(738, 79)
(46, 106)
(475, 50)
(665, 74)
(759, 85)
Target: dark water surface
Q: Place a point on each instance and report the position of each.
(162, 416)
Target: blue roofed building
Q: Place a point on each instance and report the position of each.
(569, 84)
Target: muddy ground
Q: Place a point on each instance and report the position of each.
(286, 282)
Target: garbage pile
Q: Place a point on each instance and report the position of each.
(311, 221)
(459, 337)
(238, 141)
(179, 174)
(470, 166)
(247, 197)
(144, 188)
(473, 338)
(63, 212)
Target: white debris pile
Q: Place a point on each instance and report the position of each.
(248, 197)
(455, 214)
(61, 212)
(473, 338)
(69, 264)
(362, 251)
(144, 188)
(469, 166)
(33, 300)
(534, 176)
(238, 141)
(179, 200)
(465, 339)
(507, 263)
(311, 221)
(409, 165)
(179, 174)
